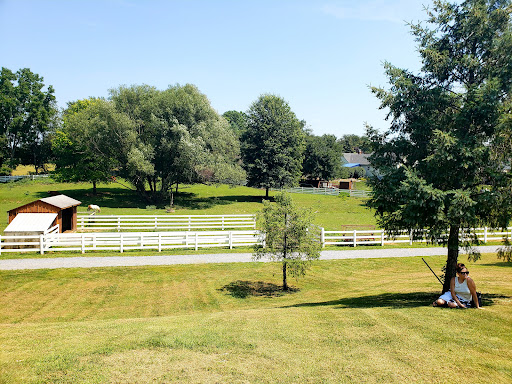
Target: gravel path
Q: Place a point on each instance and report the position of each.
(130, 261)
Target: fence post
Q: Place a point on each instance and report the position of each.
(121, 243)
(142, 240)
(118, 223)
(196, 241)
(159, 242)
(485, 235)
(382, 237)
(41, 244)
(93, 241)
(355, 238)
(230, 239)
(83, 243)
(410, 237)
(322, 236)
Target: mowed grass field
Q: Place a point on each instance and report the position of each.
(347, 321)
(331, 212)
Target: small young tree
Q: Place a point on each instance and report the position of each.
(290, 236)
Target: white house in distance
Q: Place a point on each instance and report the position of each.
(350, 160)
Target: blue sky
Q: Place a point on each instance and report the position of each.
(320, 56)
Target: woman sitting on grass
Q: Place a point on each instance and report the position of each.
(462, 290)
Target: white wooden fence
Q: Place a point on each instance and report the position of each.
(368, 237)
(166, 222)
(324, 191)
(112, 241)
(5, 179)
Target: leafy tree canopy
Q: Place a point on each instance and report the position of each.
(322, 158)
(152, 138)
(440, 161)
(237, 121)
(273, 144)
(290, 237)
(354, 144)
(27, 117)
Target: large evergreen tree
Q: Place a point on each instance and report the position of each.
(273, 144)
(440, 167)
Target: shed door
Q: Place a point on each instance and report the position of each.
(67, 219)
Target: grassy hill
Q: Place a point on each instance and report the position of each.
(331, 212)
(346, 321)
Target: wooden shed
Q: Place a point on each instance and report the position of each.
(64, 206)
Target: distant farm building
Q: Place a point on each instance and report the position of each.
(350, 160)
(62, 208)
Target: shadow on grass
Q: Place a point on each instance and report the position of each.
(190, 200)
(105, 197)
(498, 264)
(125, 198)
(393, 300)
(241, 289)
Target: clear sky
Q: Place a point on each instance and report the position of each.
(319, 55)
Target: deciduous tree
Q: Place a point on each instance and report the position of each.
(273, 144)
(322, 158)
(27, 116)
(290, 237)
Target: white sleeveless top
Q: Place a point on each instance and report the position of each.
(462, 289)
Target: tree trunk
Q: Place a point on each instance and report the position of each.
(266, 193)
(285, 283)
(94, 190)
(453, 255)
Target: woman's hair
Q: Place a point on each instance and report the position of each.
(460, 267)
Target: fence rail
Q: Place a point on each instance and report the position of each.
(367, 237)
(6, 179)
(121, 242)
(112, 241)
(324, 191)
(162, 222)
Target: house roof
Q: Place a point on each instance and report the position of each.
(31, 222)
(61, 201)
(356, 158)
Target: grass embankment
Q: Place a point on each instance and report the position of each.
(347, 321)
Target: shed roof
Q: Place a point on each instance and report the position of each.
(31, 222)
(61, 201)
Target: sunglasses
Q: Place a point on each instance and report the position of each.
(464, 273)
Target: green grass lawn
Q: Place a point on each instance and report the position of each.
(331, 212)
(365, 320)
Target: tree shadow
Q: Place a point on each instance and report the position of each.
(126, 198)
(241, 289)
(105, 197)
(498, 264)
(393, 300)
(190, 200)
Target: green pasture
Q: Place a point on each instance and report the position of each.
(347, 321)
(331, 212)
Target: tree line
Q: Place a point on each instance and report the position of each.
(159, 139)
